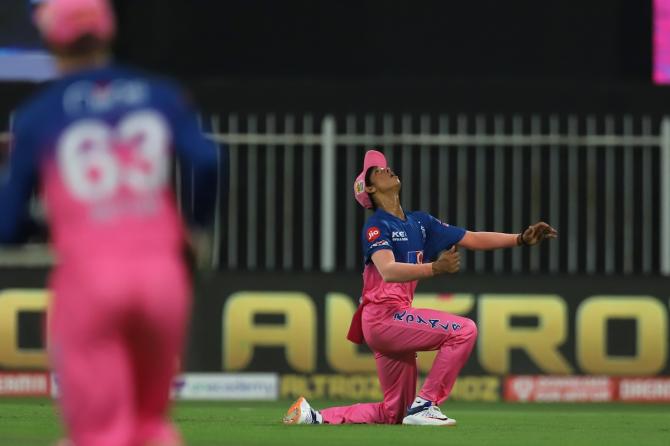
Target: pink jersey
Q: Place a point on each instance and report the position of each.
(375, 290)
(127, 222)
(100, 144)
(419, 236)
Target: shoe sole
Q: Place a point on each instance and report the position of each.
(293, 413)
(437, 425)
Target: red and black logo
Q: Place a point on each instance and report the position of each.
(373, 234)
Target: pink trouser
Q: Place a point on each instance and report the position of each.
(395, 335)
(117, 329)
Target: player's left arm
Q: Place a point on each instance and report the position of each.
(531, 236)
(17, 185)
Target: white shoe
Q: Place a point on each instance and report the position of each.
(427, 415)
(302, 413)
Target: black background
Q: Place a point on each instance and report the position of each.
(481, 55)
(567, 39)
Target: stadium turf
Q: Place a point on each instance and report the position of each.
(34, 422)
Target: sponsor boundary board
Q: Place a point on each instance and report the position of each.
(297, 324)
(574, 389)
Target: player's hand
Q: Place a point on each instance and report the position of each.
(448, 262)
(189, 256)
(537, 233)
(197, 250)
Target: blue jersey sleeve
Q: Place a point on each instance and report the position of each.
(17, 184)
(197, 155)
(440, 236)
(375, 237)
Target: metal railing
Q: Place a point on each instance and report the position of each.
(599, 179)
(603, 181)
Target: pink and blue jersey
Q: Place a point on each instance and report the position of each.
(394, 330)
(417, 238)
(99, 144)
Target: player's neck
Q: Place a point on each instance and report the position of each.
(71, 64)
(391, 204)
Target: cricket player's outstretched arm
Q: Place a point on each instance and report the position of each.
(17, 185)
(392, 271)
(531, 236)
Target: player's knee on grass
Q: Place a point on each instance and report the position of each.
(394, 413)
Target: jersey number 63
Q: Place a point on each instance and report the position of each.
(91, 162)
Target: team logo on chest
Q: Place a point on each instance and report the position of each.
(415, 257)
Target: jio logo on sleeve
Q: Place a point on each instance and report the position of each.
(373, 234)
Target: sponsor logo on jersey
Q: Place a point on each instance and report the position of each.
(380, 243)
(415, 257)
(373, 234)
(399, 236)
(410, 318)
(95, 97)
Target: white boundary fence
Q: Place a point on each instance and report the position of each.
(604, 181)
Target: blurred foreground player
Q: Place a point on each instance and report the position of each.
(395, 243)
(99, 142)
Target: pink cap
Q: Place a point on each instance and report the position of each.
(373, 158)
(62, 22)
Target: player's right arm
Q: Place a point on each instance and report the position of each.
(392, 271)
(17, 185)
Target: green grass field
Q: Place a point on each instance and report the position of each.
(34, 422)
